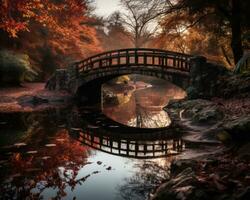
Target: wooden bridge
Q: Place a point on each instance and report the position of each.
(163, 64)
(135, 57)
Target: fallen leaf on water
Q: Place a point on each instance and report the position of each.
(60, 140)
(92, 126)
(75, 129)
(113, 126)
(99, 162)
(31, 152)
(62, 126)
(46, 157)
(50, 145)
(20, 144)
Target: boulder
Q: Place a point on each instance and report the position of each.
(233, 86)
(15, 68)
(238, 128)
(180, 186)
(198, 111)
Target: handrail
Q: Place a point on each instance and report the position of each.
(140, 57)
(133, 49)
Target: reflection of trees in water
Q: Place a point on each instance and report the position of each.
(32, 169)
(141, 107)
(151, 174)
(51, 168)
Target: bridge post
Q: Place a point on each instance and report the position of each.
(136, 57)
(144, 59)
(127, 57)
(153, 59)
(110, 60)
(119, 58)
(100, 63)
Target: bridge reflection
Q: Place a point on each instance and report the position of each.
(120, 145)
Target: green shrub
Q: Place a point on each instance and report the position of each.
(15, 68)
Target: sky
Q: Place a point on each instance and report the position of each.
(106, 7)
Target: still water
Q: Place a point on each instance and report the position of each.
(84, 153)
(138, 101)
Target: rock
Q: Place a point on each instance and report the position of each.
(199, 111)
(233, 85)
(208, 115)
(178, 187)
(179, 165)
(239, 128)
(175, 103)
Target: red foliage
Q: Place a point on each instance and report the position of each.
(52, 33)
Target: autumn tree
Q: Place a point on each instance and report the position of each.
(220, 18)
(52, 33)
(112, 33)
(140, 18)
(180, 33)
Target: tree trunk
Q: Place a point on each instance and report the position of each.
(235, 22)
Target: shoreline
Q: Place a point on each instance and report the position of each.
(30, 97)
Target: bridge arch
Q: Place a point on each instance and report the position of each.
(167, 65)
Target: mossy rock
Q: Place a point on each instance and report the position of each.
(14, 68)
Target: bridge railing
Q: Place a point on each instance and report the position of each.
(135, 57)
(132, 148)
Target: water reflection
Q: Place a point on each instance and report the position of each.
(138, 101)
(33, 169)
(129, 147)
(62, 154)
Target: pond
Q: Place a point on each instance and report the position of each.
(138, 101)
(121, 151)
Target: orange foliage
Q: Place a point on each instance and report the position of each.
(47, 160)
(17, 15)
(52, 33)
(178, 34)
